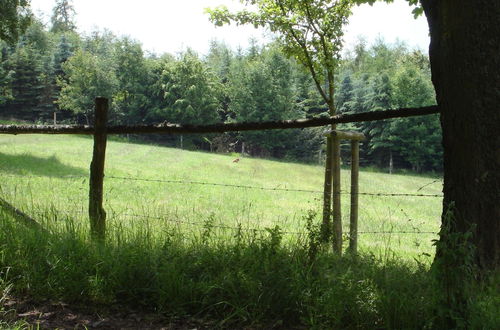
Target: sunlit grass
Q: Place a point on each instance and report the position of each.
(240, 256)
(51, 172)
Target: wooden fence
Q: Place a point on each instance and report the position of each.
(100, 130)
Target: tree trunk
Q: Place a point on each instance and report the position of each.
(465, 62)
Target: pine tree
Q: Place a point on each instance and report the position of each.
(62, 54)
(27, 88)
(190, 91)
(5, 76)
(63, 17)
(129, 101)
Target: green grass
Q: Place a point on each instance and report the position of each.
(168, 249)
(42, 172)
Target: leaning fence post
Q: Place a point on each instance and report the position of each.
(337, 211)
(353, 228)
(97, 214)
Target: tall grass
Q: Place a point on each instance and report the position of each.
(252, 278)
(235, 277)
(169, 248)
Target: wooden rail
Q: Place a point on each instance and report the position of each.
(169, 128)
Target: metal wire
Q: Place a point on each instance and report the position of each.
(240, 186)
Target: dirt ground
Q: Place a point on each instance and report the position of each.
(51, 315)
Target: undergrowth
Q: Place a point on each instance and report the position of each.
(255, 279)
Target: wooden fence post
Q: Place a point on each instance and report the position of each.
(97, 214)
(353, 228)
(337, 211)
(327, 194)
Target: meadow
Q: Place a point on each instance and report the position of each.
(147, 183)
(195, 235)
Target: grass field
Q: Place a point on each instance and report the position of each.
(235, 257)
(41, 173)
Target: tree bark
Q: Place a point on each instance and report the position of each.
(465, 63)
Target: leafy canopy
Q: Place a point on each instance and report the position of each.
(15, 17)
(309, 30)
(417, 11)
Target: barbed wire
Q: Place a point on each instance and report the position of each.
(260, 229)
(269, 188)
(343, 192)
(211, 225)
(213, 184)
(239, 228)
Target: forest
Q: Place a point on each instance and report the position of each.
(55, 70)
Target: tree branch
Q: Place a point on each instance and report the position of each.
(309, 61)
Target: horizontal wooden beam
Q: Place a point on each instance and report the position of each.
(220, 128)
(347, 135)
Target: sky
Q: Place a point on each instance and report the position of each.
(174, 25)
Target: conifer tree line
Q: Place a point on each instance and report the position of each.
(55, 69)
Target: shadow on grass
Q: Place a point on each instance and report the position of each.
(32, 165)
(241, 280)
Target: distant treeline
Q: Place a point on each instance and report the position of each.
(58, 70)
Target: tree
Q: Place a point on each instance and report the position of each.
(464, 48)
(25, 65)
(261, 88)
(310, 31)
(5, 76)
(190, 92)
(15, 17)
(63, 17)
(219, 60)
(89, 76)
(129, 101)
(465, 43)
(62, 53)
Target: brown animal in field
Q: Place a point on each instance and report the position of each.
(236, 160)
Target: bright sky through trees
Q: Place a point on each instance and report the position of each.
(172, 26)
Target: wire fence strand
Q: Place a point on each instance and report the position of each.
(229, 185)
(220, 226)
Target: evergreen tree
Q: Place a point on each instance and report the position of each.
(261, 90)
(129, 101)
(345, 94)
(25, 65)
(190, 92)
(153, 88)
(380, 147)
(219, 60)
(63, 52)
(5, 75)
(63, 17)
(417, 139)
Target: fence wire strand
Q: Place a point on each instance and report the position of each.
(188, 182)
